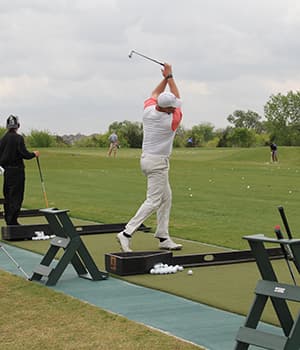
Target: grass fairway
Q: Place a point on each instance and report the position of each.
(33, 317)
(234, 191)
(219, 195)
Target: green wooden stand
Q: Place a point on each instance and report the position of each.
(278, 293)
(75, 252)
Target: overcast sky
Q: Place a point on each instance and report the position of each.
(64, 64)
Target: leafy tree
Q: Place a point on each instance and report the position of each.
(133, 133)
(236, 137)
(40, 139)
(130, 134)
(283, 118)
(201, 134)
(59, 142)
(91, 141)
(102, 140)
(242, 137)
(115, 126)
(180, 137)
(224, 136)
(247, 120)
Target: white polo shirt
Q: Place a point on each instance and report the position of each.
(159, 129)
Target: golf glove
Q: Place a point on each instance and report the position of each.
(1, 170)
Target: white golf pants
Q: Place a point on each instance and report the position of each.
(159, 196)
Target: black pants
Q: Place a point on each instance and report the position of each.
(13, 191)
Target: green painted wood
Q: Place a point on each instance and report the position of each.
(278, 293)
(75, 252)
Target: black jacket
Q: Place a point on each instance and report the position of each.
(13, 150)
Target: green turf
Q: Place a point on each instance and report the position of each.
(221, 210)
(235, 192)
(228, 287)
(33, 317)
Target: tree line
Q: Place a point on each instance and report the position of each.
(280, 124)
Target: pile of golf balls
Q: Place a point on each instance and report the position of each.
(163, 269)
(40, 235)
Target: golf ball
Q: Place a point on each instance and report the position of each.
(158, 265)
(190, 272)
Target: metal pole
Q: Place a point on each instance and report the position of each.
(14, 261)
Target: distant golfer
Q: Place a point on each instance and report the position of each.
(161, 118)
(273, 147)
(114, 144)
(12, 153)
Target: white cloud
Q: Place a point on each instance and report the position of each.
(65, 66)
(22, 88)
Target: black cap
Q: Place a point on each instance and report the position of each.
(12, 122)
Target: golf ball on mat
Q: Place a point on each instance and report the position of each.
(190, 272)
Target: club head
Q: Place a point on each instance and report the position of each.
(130, 54)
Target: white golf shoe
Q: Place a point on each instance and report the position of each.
(169, 245)
(124, 242)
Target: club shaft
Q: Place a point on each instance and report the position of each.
(285, 222)
(45, 195)
(285, 254)
(14, 261)
(42, 183)
(39, 167)
(147, 57)
(291, 271)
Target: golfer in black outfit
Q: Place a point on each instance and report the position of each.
(12, 153)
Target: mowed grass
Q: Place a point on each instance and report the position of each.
(34, 317)
(219, 195)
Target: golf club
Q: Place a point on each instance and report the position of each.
(14, 261)
(148, 58)
(288, 231)
(285, 252)
(285, 222)
(42, 182)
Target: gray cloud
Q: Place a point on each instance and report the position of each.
(65, 66)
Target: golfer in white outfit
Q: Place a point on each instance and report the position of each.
(161, 118)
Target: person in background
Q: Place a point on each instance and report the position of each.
(114, 143)
(12, 154)
(273, 147)
(190, 142)
(161, 118)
